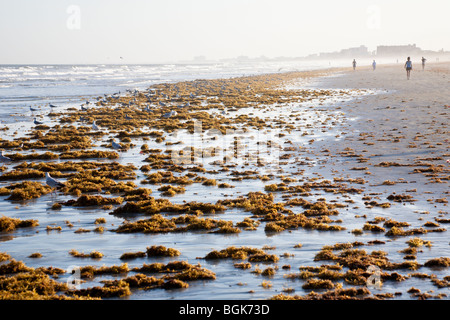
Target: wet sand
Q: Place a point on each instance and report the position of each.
(362, 165)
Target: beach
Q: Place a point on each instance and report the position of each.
(326, 184)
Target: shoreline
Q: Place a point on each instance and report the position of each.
(362, 144)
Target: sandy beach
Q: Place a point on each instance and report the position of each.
(327, 184)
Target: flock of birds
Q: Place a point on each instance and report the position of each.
(115, 96)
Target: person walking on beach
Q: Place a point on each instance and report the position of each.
(408, 67)
(423, 63)
(374, 65)
(354, 64)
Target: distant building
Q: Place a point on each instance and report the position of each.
(360, 51)
(356, 52)
(399, 50)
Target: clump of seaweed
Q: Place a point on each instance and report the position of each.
(27, 190)
(336, 294)
(170, 191)
(242, 253)
(93, 200)
(132, 255)
(119, 289)
(401, 198)
(138, 194)
(442, 262)
(94, 154)
(156, 206)
(178, 270)
(31, 285)
(4, 256)
(94, 254)
(417, 242)
(22, 174)
(248, 224)
(162, 251)
(360, 259)
(14, 266)
(373, 228)
(8, 224)
(91, 271)
(155, 224)
(319, 284)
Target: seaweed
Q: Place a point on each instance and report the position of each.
(441, 262)
(94, 254)
(93, 200)
(31, 285)
(27, 190)
(162, 251)
(132, 255)
(8, 224)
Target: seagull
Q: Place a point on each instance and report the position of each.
(37, 122)
(33, 109)
(115, 145)
(4, 158)
(94, 126)
(162, 104)
(53, 182)
(128, 117)
(53, 106)
(147, 108)
(169, 114)
(83, 108)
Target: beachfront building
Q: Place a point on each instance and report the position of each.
(398, 50)
(355, 52)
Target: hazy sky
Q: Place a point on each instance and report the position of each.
(152, 31)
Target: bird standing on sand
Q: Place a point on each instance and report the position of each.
(37, 122)
(52, 182)
(115, 145)
(4, 158)
(33, 109)
(169, 114)
(94, 126)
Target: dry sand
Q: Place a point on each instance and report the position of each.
(408, 120)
